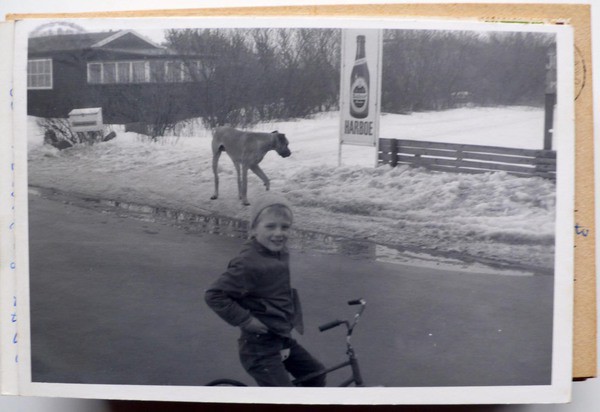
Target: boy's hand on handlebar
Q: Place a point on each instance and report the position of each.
(253, 325)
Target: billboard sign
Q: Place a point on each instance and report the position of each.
(360, 86)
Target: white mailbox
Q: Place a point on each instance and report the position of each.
(86, 120)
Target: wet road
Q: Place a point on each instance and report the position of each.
(117, 300)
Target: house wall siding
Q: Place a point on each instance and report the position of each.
(121, 103)
(68, 88)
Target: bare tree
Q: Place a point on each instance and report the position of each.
(434, 70)
(262, 74)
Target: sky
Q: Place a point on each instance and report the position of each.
(97, 25)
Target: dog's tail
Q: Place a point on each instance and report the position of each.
(217, 145)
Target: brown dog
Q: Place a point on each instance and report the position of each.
(246, 150)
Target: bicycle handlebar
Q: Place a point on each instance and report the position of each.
(330, 325)
(338, 322)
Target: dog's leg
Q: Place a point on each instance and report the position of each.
(239, 178)
(245, 185)
(215, 163)
(258, 172)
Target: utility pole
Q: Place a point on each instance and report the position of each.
(550, 100)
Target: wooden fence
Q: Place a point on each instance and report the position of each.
(465, 158)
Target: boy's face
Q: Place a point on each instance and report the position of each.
(272, 230)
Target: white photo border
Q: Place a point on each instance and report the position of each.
(558, 391)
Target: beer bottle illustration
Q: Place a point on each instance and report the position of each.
(359, 82)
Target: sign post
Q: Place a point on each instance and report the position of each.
(550, 98)
(360, 88)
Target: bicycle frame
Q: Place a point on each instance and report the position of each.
(352, 361)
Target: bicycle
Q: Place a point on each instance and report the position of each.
(352, 361)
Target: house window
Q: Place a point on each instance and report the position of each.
(124, 72)
(156, 71)
(174, 73)
(192, 71)
(39, 74)
(138, 72)
(95, 73)
(109, 74)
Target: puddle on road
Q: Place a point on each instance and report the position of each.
(193, 222)
(302, 240)
(308, 241)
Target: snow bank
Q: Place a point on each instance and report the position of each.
(489, 217)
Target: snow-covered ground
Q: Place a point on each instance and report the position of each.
(489, 217)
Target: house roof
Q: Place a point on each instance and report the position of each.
(80, 41)
(123, 42)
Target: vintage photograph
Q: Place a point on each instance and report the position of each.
(270, 203)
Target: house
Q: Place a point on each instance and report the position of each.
(129, 76)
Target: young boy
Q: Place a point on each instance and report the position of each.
(255, 294)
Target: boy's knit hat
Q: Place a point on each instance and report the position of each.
(265, 201)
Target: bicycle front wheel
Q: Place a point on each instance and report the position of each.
(225, 382)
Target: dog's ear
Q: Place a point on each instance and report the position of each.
(275, 131)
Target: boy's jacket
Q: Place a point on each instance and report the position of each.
(257, 283)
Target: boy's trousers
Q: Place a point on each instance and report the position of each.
(260, 355)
